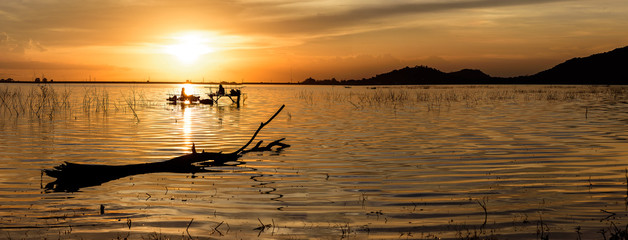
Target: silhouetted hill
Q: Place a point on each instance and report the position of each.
(407, 75)
(469, 75)
(603, 68)
(414, 75)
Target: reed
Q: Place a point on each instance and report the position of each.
(135, 99)
(95, 99)
(41, 101)
(305, 95)
(131, 104)
(45, 101)
(434, 98)
(10, 102)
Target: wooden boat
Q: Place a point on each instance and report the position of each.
(175, 97)
(215, 93)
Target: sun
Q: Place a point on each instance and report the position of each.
(188, 48)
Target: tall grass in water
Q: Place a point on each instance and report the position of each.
(434, 98)
(95, 99)
(134, 100)
(98, 100)
(42, 101)
(10, 102)
(306, 95)
(387, 96)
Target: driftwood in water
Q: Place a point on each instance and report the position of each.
(71, 177)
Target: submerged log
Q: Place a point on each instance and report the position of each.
(71, 177)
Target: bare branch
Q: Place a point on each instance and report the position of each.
(258, 129)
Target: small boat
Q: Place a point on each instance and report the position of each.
(174, 98)
(207, 101)
(215, 93)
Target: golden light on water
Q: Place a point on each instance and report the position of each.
(424, 169)
(187, 113)
(187, 124)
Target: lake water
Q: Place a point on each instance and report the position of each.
(402, 162)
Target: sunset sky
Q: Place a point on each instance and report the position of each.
(283, 41)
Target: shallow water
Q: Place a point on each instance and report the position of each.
(391, 162)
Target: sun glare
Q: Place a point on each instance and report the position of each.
(189, 48)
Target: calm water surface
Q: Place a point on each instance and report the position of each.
(511, 162)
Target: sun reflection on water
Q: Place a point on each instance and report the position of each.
(187, 124)
(186, 112)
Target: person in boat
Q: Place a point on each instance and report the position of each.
(183, 96)
(221, 90)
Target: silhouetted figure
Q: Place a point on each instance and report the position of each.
(183, 95)
(221, 90)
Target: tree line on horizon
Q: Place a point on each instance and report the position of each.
(602, 68)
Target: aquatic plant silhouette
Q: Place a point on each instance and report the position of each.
(71, 177)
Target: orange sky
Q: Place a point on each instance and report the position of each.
(280, 41)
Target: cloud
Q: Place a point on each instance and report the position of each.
(112, 21)
(327, 19)
(50, 24)
(10, 45)
(26, 65)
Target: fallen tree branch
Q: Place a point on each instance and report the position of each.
(258, 129)
(71, 177)
(268, 147)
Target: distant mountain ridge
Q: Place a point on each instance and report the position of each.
(602, 68)
(414, 75)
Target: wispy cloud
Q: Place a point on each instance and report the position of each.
(10, 45)
(29, 65)
(108, 20)
(316, 18)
